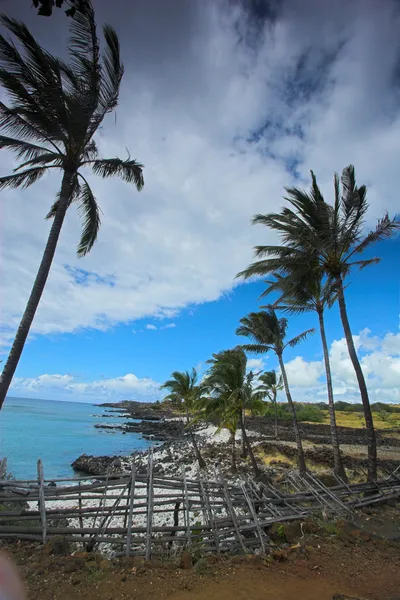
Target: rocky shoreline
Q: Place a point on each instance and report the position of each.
(173, 448)
(156, 430)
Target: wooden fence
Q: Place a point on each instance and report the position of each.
(145, 514)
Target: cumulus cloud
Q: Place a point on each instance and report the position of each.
(302, 373)
(151, 327)
(224, 111)
(66, 387)
(255, 364)
(380, 361)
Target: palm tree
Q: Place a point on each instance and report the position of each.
(54, 111)
(230, 388)
(334, 234)
(302, 293)
(268, 333)
(185, 394)
(269, 385)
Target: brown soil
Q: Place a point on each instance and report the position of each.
(313, 567)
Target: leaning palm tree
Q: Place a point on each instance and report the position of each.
(269, 385)
(54, 110)
(334, 234)
(311, 292)
(185, 395)
(230, 389)
(267, 332)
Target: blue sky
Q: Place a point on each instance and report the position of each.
(226, 109)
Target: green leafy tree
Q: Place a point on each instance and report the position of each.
(267, 332)
(303, 292)
(269, 385)
(54, 110)
(185, 395)
(230, 390)
(333, 234)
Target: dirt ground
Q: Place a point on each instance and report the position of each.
(335, 559)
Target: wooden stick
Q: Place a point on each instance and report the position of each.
(187, 510)
(254, 516)
(80, 507)
(130, 513)
(42, 502)
(231, 510)
(150, 492)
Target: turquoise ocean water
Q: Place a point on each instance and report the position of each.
(57, 432)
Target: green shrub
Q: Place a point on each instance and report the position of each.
(310, 413)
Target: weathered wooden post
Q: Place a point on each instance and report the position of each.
(130, 510)
(42, 501)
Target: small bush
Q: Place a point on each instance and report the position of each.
(310, 413)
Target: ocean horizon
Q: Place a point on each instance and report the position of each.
(57, 432)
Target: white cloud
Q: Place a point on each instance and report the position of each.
(169, 326)
(61, 387)
(317, 90)
(302, 373)
(255, 364)
(380, 361)
(151, 327)
(42, 382)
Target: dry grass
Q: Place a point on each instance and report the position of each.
(356, 420)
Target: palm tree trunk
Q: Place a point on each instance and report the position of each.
(276, 415)
(243, 453)
(233, 453)
(301, 459)
(250, 450)
(37, 290)
(199, 458)
(337, 459)
(369, 423)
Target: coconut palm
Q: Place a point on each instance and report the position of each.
(311, 292)
(54, 110)
(268, 333)
(185, 395)
(269, 385)
(334, 234)
(230, 389)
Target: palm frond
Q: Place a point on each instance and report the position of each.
(256, 348)
(90, 217)
(361, 264)
(12, 122)
(385, 228)
(33, 80)
(23, 149)
(112, 73)
(50, 159)
(73, 196)
(32, 69)
(299, 338)
(85, 52)
(129, 170)
(24, 179)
